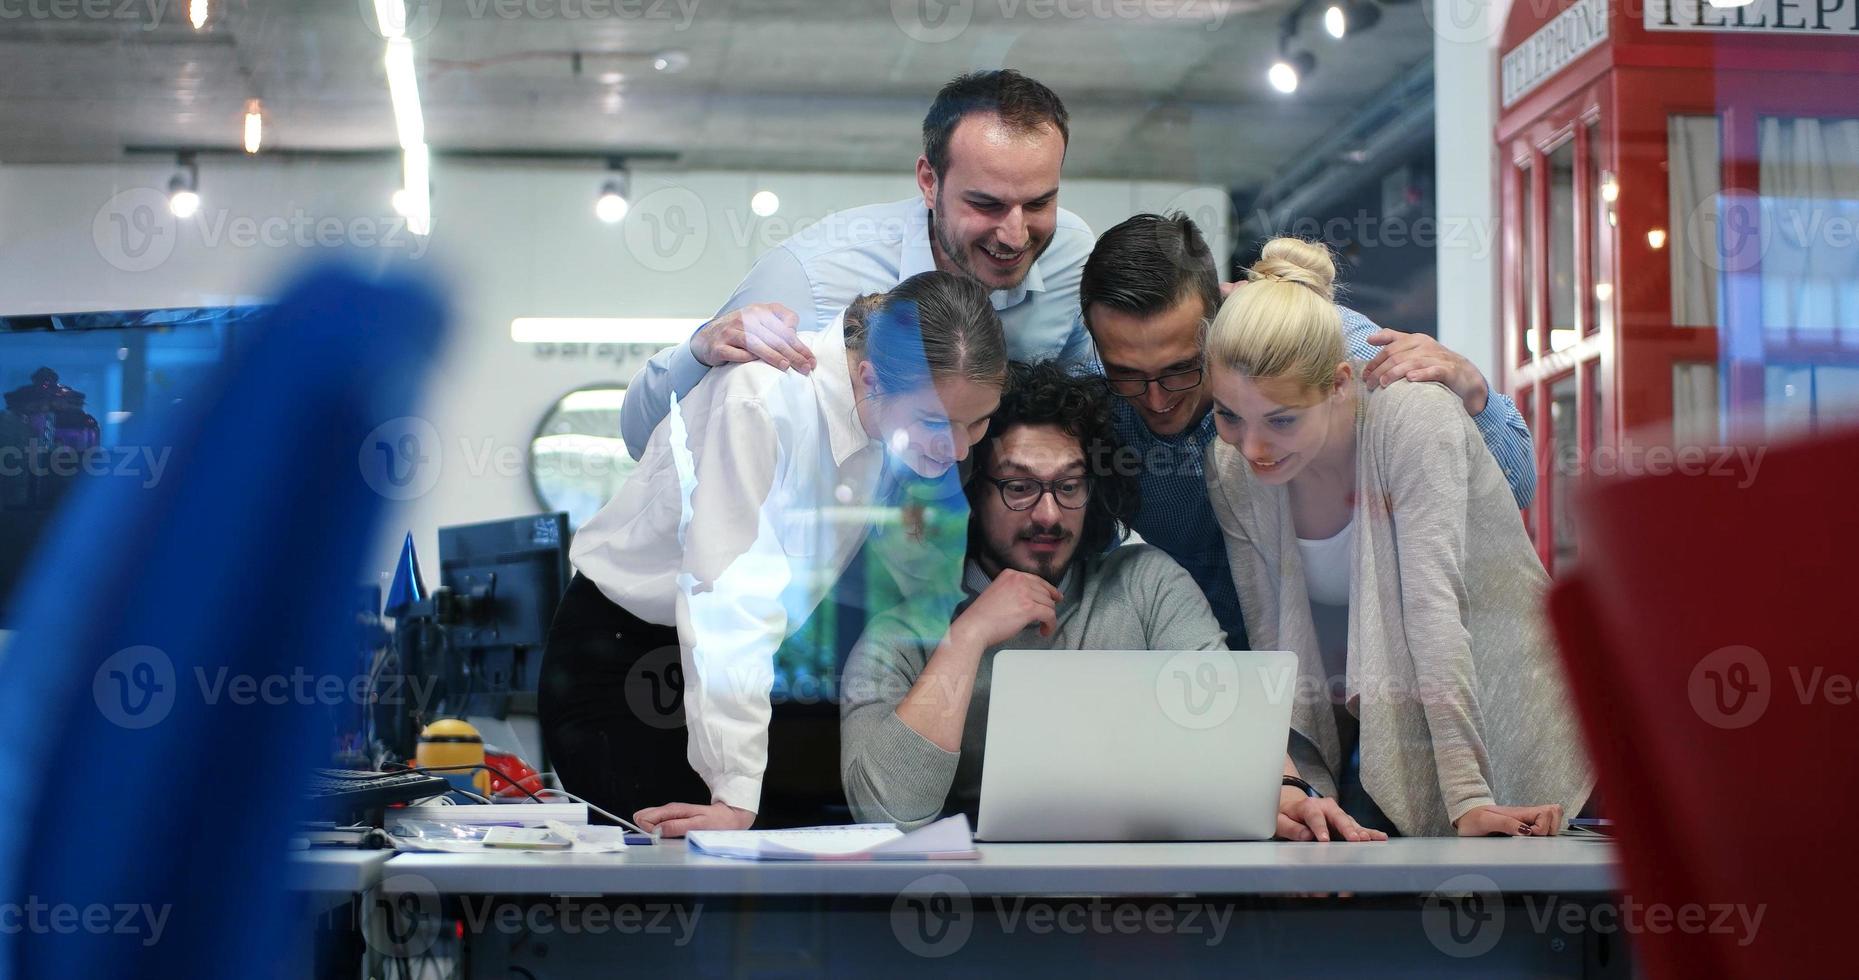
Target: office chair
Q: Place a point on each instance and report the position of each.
(1703, 609)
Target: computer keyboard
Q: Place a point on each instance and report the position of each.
(341, 793)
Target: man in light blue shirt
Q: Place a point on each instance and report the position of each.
(993, 145)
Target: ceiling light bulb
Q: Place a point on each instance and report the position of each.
(254, 125)
(1655, 237)
(197, 13)
(184, 203)
(1282, 76)
(764, 203)
(611, 205)
(1335, 22)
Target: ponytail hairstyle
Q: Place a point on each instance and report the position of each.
(933, 326)
(1284, 322)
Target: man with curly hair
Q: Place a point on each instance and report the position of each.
(1048, 503)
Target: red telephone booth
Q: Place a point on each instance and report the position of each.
(1680, 197)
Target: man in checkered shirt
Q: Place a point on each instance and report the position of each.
(1148, 292)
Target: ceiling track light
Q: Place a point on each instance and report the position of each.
(1290, 70)
(197, 13)
(611, 204)
(1342, 18)
(184, 187)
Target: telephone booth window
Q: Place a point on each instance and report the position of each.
(1526, 259)
(1810, 206)
(1564, 328)
(1565, 438)
(1695, 236)
(1604, 190)
(1694, 403)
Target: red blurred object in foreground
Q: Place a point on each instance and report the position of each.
(509, 764)
(1708, 637)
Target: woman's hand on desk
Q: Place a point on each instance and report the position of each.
(1512, 821)
(1319, 818)
(675, 819)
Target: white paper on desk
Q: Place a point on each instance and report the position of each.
(946, 839)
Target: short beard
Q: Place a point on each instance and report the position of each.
(958, 254)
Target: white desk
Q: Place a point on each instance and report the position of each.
(1408, 866)
(1394, 909)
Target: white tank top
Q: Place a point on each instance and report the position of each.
(1327, 565)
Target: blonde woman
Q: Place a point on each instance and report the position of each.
(1374, 536)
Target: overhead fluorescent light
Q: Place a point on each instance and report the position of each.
(415, 198)
(391, 15)
(404, 88)
(604, 329)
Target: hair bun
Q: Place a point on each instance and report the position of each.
(1296, 260)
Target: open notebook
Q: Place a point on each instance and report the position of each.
(946, 839)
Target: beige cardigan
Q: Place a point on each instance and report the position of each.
(1446, 603)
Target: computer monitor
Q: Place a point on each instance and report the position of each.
(510, 575)
(90, 396)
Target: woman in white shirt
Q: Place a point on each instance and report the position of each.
(656, 680)
(1374, 536)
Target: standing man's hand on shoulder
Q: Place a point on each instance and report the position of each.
(764, 332)
(1418, 357)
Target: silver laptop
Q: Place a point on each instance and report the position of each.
(1135, 745)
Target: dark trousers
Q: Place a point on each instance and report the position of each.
(612, 706)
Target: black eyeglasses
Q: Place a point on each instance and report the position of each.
(1137, 387)
(1020, 493)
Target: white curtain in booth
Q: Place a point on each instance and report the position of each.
(1694, 178)
(1810, 213)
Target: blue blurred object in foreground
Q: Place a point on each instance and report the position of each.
(160, 702)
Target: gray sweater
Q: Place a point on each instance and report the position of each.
(1133, 598)
(1450, 670)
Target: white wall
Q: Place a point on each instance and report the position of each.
(507, 241)
(1465, 35)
